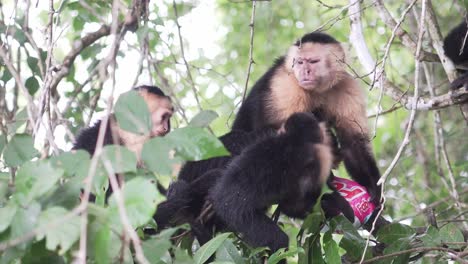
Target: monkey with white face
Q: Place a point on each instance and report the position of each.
(161, 110)
(312, 77)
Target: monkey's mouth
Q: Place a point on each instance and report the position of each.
(308, 83)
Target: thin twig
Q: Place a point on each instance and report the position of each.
(116, 192)
(453, 254)
(31, 108)
(187, 67)
(251, 61)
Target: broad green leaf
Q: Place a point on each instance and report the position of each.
(32, 84)
(19, 150)
(65, 195)
(24, 221)
(283, 254)
(155, 155)
(6, 75)
(140, 202)
(3, 142)
(61, 236)
(398, 246)
(194, 143)
(313, 222)
(352, 242)
(181, 257)
(229, 252)
(7, 213)
(102, 243)
(21, 118)
(203, 119)
(33, 65)
(132, 113)
(432, 237)
(156, 247)
(20, 36)
(122, 159)
(205, 252)
(35, 179)
(74, 163)
(4, 186)
(451, 233)
(332, 254)
(90, 51)
(393, 232)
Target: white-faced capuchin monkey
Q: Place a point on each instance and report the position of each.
(161, 110)
(312, 77)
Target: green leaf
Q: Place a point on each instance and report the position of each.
(78, 25)
(19, 150)
(25, 221)
(451, 233)
(4, 186)
(432, 237)
(283, 254)
(155, 155)
(393, 232)
(7, 213)
(21, 118)
(61, 236)
(313, 222)
(194, 143)
(205, 252)
(33, 64)
(229, 252)
(156, 247)
(6, 75)
(3, 142)
(122, 159)
(203, 119)
(34, 179)
(140, 202)
(20, 36)
(132, 113)
(32, 84)
(91, 51)
(352, 242)
(65, 195)
(102, 244)
(398, 246)
(75, 163)
(332, 254)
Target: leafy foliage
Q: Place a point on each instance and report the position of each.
(40, 186)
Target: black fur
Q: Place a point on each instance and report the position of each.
(282, 170)
(453, 43)
(187, 195)
(316, 37)
(456, 48)
(87, 138)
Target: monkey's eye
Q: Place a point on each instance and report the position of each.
(313, 61)
(300, 62)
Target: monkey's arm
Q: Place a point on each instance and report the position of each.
(356, 149)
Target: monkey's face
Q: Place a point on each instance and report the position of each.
(161, 110)
(314, 66)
